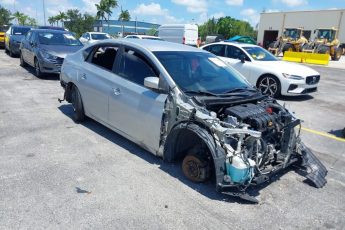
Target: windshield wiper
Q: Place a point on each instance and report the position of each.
(240, 90)
(199, 92)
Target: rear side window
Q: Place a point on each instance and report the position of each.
(218, 50)
(104, 56)
(135, 67)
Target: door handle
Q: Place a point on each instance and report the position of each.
(83, 76)
(116, 91)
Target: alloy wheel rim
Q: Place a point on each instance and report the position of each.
(268, 86)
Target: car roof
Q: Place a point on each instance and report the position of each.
(153, 45)
(96, 33)
(52, 30)
(18, 26)
(234, 43)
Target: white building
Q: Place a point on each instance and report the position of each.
(272, 24)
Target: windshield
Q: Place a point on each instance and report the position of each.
(20, 30)
(153, 38)
(260, 54)
(292, 33)
(51, 38)
(327, 34)
(200, 72)
(99, 36)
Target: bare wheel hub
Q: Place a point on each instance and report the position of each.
(195, 169)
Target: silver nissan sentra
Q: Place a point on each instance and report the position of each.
(186, 105)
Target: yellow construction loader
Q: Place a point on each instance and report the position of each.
(325, 42)
(292, 40)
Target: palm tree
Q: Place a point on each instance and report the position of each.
(61, 17)
(32, 22)
(101, 11)
(124, 15)
(104, 8)
(51, 20)
(18, 16)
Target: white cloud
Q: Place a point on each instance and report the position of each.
(153, 9)
(9, 2)
(251, 15)
(294, 3)
(89, 6)
(271, 11)
(234, 2)
(193, 6)
(158, 14)
(217, 15)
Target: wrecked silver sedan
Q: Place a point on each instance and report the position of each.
(186, 105)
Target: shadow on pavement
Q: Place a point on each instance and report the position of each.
(173, 169)
(296, 98)
(46, 76)
(339, 132)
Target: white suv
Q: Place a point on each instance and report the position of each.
(271, 75)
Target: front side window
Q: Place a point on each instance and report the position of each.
(135, 67)
(200, 72)
(259, 54)
(104, 56)
(51, 38)
(236, 53)
(28, 35)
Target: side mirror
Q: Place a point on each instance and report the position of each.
(152, 82)
(314, 31)
(243, 58)
(33, 44)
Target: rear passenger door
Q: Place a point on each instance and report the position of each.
(94, 80)
(134, 109)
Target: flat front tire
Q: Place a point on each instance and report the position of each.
(269, 85)
(77, 104)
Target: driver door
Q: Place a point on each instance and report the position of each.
(134, 109)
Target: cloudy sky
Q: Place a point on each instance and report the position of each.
(175, 11)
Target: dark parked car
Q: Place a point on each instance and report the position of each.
(13, 37)
(46, 49)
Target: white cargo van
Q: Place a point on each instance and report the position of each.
(179, 33)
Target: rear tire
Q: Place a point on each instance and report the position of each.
(337, 54)
(22, 62)
(288, 47)
(77, 103)
(269, 85)
(10, 52)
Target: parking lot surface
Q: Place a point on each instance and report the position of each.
(58, 174)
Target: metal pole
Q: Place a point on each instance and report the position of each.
(136, 24)
(44, 13)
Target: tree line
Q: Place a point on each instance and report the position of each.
(22, 19)
(71, 19)
(226, 26)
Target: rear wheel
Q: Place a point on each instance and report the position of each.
(10, 52)
(22, 62)
(337, 54)
(269, 85)
(195, 168)
(78, 108)
(288, 47)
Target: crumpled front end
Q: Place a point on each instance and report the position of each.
(249, 142)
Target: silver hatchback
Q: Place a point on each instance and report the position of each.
(185, 104)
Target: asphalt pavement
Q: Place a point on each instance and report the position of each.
(56, 174)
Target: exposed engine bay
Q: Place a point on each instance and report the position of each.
(259, 138)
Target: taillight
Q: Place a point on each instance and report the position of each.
(184, 40)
